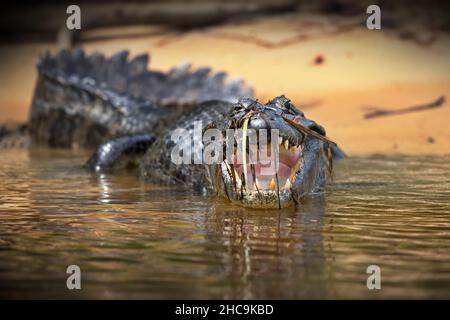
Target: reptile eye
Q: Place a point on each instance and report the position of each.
(288, 106)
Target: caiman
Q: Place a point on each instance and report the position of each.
(128, 114)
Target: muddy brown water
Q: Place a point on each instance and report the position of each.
(132, 239)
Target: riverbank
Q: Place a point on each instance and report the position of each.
(335, 70)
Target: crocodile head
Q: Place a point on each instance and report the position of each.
(287, 156)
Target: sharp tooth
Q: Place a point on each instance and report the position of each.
(293, 149)
(256, 182)
(238, 180)
(288, 184)
(286, 144)
(280, 140)
(292, 178)
(272, 184)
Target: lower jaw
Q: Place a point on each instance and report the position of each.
(253, 197)
(264, 199)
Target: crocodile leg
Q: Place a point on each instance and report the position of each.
(124, 152)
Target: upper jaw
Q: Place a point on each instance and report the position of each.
(245, 185)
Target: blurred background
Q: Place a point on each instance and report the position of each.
(375, 91)
(319, 54)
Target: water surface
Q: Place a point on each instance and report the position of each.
(132, 239)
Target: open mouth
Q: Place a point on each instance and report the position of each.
(264, 177)
(284, 159)
(275, 173)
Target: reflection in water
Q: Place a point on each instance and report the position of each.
(136, 240)
(105, 189)
(260, 248)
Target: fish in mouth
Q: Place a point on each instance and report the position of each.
(294, 160)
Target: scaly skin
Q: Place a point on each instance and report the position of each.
(85, 100)
(311, 177)
(128, 113)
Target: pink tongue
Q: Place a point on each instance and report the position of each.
(265, 172)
